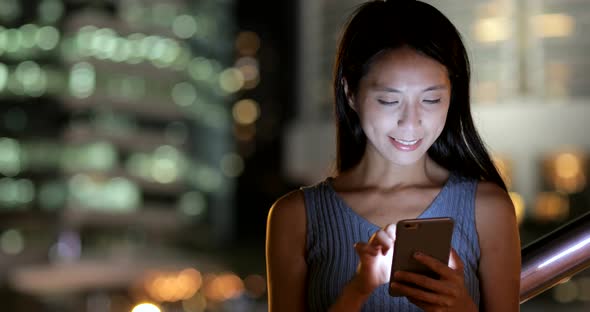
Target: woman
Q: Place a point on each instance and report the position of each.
(407, 148)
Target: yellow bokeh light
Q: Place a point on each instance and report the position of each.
(492, 29)
(246, 111)
(223, 287)
(504, 168)
(519, 206)
(566, 171)
(189, 281)
(146, 307)
(553, 25)
(247, 43)
(231, 80)
(567, 165)
(551, 206)
(173, 286)
(164, 171)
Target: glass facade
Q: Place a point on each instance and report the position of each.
(118, 158)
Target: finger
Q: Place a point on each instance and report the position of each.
(426, 297)
(423, 281)
(383, 239)
(455, 261)
(423, 305)
(434, 264)
(366, 249)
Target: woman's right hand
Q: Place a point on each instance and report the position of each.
(375, 257)
(374, 270)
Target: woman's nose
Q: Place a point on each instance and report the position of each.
(410, 116)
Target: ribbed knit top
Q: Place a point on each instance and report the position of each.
(333, 228)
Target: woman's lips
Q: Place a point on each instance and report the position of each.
(405, 145)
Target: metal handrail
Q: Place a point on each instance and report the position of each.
(555, 257)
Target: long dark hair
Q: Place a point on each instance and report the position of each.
(378, 26)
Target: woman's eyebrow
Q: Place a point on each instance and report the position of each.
(436, 87)
(389, 89)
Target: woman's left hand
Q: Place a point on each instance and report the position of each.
(447, 294)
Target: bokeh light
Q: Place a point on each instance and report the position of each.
(566, 292)
(197, 303)
(255, 285)
(247, 43)
(184, 94)
(192, 203)
(519, 206)
(245, 133)
(551, 206)
(173, 286)
(566, 171)
(50, 11)
(232, 165)
(223, 287)
(246, 111)
(231, 80)
(12, 242)
(492, 29)
(184, 26)
(82, 82)
(10, 157)
(146, 307)
(553, 25)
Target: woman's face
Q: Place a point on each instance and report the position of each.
(402, 103)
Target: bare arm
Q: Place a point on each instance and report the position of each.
(499, 241)
(286, 268)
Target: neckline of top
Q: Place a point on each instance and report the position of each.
(349, 210)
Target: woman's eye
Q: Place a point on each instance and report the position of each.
(432, 101)
(387, 102)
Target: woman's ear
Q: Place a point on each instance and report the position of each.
(349, 97)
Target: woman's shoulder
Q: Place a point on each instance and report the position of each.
(286, 223)
(490, 194)
(494, 210)
(288, 209)
(291, 200)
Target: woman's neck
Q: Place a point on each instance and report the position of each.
(380, 173)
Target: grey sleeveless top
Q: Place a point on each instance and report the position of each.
(333, 228)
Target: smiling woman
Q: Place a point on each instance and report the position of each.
(403, 101)
(407, 148)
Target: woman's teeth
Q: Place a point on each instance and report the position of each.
(404, 142)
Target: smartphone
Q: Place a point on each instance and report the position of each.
(431, 236)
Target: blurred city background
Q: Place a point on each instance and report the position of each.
(142, 142)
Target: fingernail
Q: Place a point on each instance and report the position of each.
(418, 254)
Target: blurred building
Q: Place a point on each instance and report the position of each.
(120, 131)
